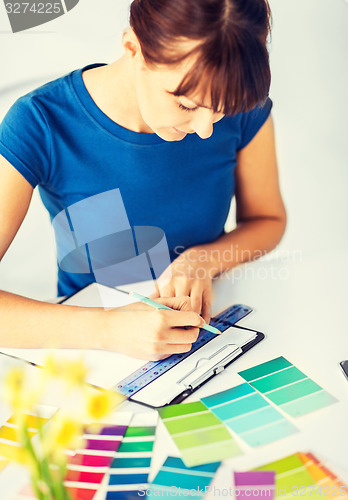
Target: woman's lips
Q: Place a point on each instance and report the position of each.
(178, 131)
(181, 132)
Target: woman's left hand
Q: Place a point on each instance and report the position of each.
(187, 276)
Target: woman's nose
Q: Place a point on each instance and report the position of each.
(202, 123)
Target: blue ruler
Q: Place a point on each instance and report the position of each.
(154, 369)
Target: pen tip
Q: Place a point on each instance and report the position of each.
(122, 291)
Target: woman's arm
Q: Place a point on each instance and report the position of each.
(261, 222)
(25, 322)
(261, 216)
(137, 330)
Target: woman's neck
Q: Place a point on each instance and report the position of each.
(112, 88)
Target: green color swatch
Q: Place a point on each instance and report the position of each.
(292, 478)
(200, 436)
(140, 431)
(130, 467)
(287, 387)
(136, 446)
(265, 369)
(249, 415)
(183, 409)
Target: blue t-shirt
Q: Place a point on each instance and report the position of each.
(60, 141)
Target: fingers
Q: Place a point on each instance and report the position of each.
(182, 287)
(177, 340)
(170, 350)
(157, 293)
(174, 319)
(180, 348)
(199, 301)
(177, 336)
(177, 303)
(177, 286)
(206, 304)
(196, 296)
(167, 291)
(200, 292)
(201, 298)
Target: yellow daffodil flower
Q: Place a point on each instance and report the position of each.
(45, 441)
(101, 403)
(62, 432)
(72, 372)
(18, 392)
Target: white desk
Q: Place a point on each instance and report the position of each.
(300, 306)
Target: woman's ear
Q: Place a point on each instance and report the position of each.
(131, 45)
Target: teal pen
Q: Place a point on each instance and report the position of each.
(157, 305)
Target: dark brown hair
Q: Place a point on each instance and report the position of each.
(232, 61)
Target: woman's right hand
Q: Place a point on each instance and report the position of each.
(141, 331)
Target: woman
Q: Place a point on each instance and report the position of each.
(179, 124)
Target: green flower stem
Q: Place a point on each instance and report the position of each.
(36, 490)
(39, 466)
(57, 488)
(28, 446)
(46, 474)
(57, 492)
(53, 487)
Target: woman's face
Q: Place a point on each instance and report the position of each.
(169, 116)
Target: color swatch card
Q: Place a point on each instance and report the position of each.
(9, 443)
(130, 468)
(249, 415)
(87, 468)
(330, 485)
(10, 448)
(254, 484)
(200, 436)
(286, 386)
(292, 478)
(176, 480)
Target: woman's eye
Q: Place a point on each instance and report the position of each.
(184, 108)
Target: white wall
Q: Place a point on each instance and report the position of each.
(91, 32)
(310, 82)
(310, 78)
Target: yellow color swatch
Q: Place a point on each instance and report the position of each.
(330, 485)
(32, 421)
(12, 451)
(11, 434)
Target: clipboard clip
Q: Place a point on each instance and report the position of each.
(206, 367)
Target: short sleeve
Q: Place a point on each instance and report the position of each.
(252, 121)
(25, 140)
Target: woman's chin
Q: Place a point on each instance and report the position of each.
(171, 134)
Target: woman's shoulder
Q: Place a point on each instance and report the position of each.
(245, 125)
(25, 131)
(48, 92)
(35, 104)
(32, 108)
